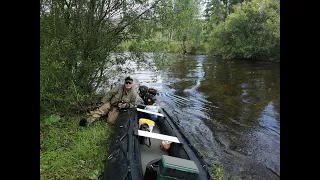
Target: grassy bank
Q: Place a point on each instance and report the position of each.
(68, 151)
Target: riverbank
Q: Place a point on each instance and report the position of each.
(68, 151)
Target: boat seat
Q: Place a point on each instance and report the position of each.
(158, 136)
(150, 112)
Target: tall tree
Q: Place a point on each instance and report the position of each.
(174, 20)
(76, 37)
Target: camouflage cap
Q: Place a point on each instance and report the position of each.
(129, 78)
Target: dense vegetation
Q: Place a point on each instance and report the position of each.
(78, 40)
(252, 31)
(78, 37)
(230, 28)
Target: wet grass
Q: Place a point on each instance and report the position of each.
(68, 151)
(219, 174)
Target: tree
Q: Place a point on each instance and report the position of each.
(174, 20)
(76, 37)
(252, 31)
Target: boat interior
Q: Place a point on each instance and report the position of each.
(159, 142)
(151, 145)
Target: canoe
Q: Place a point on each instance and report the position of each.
(135, 153)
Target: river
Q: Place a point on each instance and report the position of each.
(229, 110)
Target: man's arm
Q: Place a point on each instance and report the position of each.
(139, 100)
(110, 94)
(135, 99)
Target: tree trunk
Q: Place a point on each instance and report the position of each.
(184, 49)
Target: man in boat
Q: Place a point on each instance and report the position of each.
(120, 97)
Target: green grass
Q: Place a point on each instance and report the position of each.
(72, 152)
(219, 174)
(69, 151)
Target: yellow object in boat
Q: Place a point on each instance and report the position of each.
(146, 121)
(150, 123)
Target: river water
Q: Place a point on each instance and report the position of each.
(229, 110)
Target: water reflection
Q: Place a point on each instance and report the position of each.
(230, 110)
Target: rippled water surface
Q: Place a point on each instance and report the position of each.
(229, 109)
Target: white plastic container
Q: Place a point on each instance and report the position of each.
(147, 121)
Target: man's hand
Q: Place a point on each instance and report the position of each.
(123, 105)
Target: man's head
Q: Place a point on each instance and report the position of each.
(128, 82)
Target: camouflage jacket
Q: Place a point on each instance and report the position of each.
(120, 93)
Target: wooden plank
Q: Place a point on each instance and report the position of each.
(146, 111)
(158, 136)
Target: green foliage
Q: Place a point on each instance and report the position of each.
(219, 173)
(51, 119)
(76, 39)
(252, 31)
(173, 47)
(173, 25)
(72, 152)
(152, 46)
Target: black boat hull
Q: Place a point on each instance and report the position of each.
(124, 161)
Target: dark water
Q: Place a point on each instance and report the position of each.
(230, 110)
